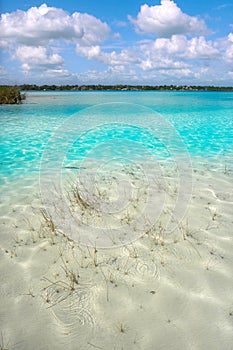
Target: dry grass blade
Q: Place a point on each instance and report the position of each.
(2, 345)
(76, 197)
(48, 221)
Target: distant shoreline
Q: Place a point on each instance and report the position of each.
(121, 87)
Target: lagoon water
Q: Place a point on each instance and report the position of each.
(203, 120)
(155, 284)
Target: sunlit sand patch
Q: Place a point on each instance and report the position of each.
(163, 288)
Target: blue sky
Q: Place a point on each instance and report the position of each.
(113, 41)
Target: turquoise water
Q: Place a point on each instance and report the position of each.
(168, 227)
(202, 123)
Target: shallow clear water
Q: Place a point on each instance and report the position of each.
(159, 159)
(203, 121)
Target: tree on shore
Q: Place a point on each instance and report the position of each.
(11, 95)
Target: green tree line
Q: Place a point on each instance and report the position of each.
(33, 87)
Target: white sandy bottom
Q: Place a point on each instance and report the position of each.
(159, 292)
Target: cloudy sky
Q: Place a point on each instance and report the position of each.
(116, 41)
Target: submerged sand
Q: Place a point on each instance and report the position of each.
(159, 291)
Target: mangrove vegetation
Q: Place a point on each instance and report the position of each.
(11, 95)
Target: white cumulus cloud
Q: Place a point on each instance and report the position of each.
(124, 57)
(40, 25)
(37, 58)
(162, 63)
(181, 46)
(89, 51)
(167, 19)
(30, 35)
(225, 46)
